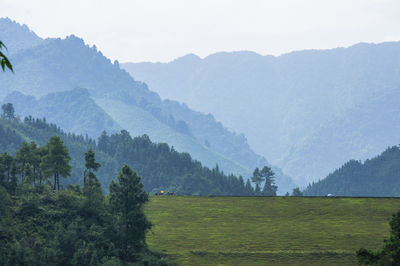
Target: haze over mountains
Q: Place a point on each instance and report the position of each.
(75, 86)
(308, 112)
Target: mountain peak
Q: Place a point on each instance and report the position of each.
(17, 36)
(189, 58)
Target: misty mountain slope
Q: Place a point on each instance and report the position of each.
(74, 110)
(139, 122)
(278, 102)
(356, 134)
(57, 65)
(379, 177)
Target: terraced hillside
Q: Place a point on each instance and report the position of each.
(267, 231)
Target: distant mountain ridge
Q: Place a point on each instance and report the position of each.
(84, 117)
(282, 104)
(47, 68)
(376, 177)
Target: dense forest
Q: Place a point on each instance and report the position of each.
(379, 176)
(160, 166)
(43, 224)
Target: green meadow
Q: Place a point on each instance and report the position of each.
(267, 230)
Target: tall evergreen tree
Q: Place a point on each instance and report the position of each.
(249, 189)
(6, 163)
(126, 199)
(92, 191)
(257, 178)
(56, 162)
(268, 177)
(90, 164)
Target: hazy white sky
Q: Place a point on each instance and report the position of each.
(161, 30)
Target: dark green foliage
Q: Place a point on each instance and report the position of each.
(73, 226)
(159, 165)
(256, 178)
(8, 111)
(56, 161)
(126, 201)
(6, 165)
(389, 255)
(4, 62)
(90, 162)
(297, 192)
(90, 165)
(379, 176)
(268, 177)
(162, 167)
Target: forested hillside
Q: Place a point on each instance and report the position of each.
(51, 66)
(286, 105)
(160, 166)
(376, 177)
(73, 111)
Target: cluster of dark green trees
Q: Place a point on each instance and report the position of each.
(42, 223)
(160, 166)
(35, 164)
(266, 176)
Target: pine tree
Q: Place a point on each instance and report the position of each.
(5, 168)
(126, 199)
(257, 178)
(90, 164)
(93, 205)
(56, 162)
(268, 177)
(28, 161)
(249, 189)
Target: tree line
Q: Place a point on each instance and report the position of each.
(160, 165)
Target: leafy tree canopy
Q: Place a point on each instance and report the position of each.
(4, 62)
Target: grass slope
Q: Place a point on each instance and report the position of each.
(267, 231)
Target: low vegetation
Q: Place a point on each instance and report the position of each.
(267, 230)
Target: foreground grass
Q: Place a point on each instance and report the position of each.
(267, 231)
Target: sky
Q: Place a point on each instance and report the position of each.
(162, 30)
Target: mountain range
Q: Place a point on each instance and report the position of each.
(308, 111)
(77, 87)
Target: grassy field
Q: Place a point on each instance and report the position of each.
(267, 231)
